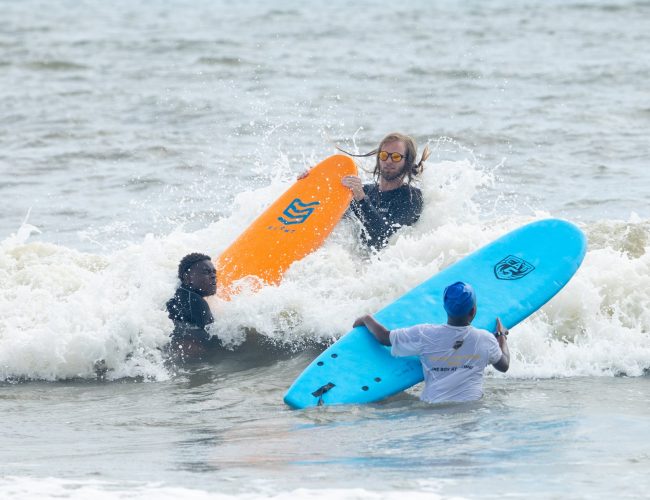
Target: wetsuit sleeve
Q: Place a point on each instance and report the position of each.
(373, 222)
(367, 212)
(173, 309)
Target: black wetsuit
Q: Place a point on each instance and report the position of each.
(384, 212)
(190, 314)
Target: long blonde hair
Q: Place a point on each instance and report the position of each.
(411, 168)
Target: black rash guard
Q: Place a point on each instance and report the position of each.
(384, 212)
(190, 314)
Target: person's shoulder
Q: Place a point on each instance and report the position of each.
(412, 190)
(484, 334)
(409, 335)
(183, 296)
(430, 327)
(189, 296)
(409, 192)
(479, 331)
(175, 303)
(408, 329)
(424, 329)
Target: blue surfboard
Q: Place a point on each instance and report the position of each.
(512, 276)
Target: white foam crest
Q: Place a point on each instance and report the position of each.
(598, 325)
(18, 488)
(62, 310)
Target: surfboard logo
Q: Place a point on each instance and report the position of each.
(297, 212)
(512, 268)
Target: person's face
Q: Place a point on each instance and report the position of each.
(202, 277)
(388, 169)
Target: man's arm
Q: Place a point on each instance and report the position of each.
(377, 329)
(502, 338)
(365, 210)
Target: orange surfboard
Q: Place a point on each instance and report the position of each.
(295, 225)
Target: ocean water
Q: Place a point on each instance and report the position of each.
(132, 134)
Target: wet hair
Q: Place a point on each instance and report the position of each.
(411, 168)
(188, 261)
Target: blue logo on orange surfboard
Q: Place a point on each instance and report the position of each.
(512, 268)
(297, 212)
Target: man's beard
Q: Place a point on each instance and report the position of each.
(393, 175)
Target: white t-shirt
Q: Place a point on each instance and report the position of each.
(453, 358)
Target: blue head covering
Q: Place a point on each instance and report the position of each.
(459, 298)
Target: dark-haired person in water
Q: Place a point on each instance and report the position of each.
(188, 308)
(390, 202)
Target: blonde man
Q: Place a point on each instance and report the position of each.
(390, 202)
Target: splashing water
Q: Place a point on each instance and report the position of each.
(63, 311)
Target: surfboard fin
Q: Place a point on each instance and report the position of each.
(318, 393)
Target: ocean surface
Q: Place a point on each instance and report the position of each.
(132, 133)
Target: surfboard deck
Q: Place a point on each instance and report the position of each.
(293, 226)
(513, 277)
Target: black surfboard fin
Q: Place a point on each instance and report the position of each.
(318, 393)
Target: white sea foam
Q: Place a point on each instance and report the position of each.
(62, 310)
(17, 488)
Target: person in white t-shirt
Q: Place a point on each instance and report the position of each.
(454, 355)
